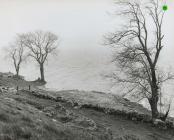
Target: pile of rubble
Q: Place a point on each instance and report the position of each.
(6, 89)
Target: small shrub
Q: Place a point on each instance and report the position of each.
(36, 105)
(50, 128)
(16, 131)
(65, 119)
(169, 124)
(5, 137)
(26, 119)
(4, 117)
(19, 132)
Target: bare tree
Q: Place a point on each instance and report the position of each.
(16, 52)
(40, 45)
(138, 46)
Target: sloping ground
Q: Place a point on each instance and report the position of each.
(15, 82)
(108, 103)
(71, 115)
(102, 100)
(119, 124)
(26, 117)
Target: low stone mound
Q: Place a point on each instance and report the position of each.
(67, 116)
(6, 89)
(107, 103)
(85, 123)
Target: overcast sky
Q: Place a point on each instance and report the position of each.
(80, 25)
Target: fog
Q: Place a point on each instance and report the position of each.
(80, 24)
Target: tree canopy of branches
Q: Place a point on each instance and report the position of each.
(138, 46)
(40, 45)
(17, 53)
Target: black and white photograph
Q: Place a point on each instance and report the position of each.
(86, 69)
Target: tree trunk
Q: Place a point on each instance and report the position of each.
(154, 107)
(17, 71)
(155, 96)
(42, 72)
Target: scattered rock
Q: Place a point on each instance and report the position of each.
(6, 89)
(54, 120)
(160, 124)
(65, 119)
(10, 99)
(169, 124)
(85, 122)
(60, 107)
(134, 119)
(109, 134)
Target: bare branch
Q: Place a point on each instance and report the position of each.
(136, 54)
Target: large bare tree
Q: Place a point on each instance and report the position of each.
(40, 45)
(138, 46)
(16, 52)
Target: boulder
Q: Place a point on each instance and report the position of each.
(160, 124)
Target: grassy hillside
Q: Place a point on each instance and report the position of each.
(70, 115)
